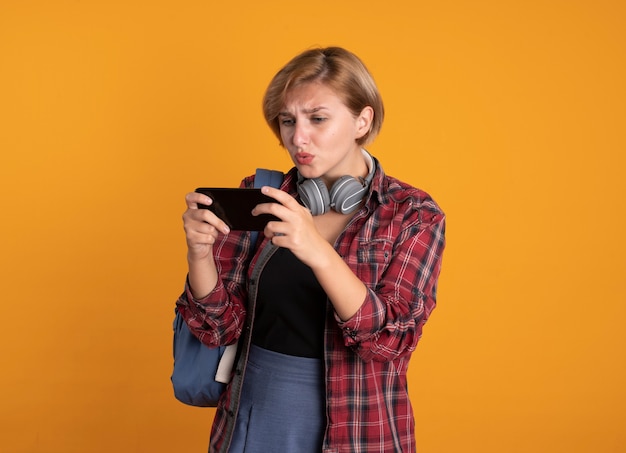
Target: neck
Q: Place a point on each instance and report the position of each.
(360, 168)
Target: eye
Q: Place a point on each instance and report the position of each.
(318, 119)
(287, 122)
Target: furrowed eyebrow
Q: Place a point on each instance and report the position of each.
(305, 111)
(314, 110)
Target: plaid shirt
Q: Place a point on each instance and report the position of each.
(394, 244)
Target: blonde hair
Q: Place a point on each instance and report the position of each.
(337, 68)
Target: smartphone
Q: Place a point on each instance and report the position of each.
(234, 207)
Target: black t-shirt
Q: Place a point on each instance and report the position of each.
(290, 309)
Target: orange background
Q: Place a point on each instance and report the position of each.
(511, 113)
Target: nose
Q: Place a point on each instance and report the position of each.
(300, 134)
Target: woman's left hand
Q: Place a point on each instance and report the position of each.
(296, 230)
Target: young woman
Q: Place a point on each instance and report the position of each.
(330, 304)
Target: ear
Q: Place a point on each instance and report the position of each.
(364, 121)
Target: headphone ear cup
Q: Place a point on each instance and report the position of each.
(314, 195)
(346, 194)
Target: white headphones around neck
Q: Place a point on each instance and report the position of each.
(344, 196)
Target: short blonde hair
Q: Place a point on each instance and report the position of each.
(337, 68)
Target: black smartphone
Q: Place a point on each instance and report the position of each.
(234, 207)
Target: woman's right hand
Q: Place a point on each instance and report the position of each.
(202, 227)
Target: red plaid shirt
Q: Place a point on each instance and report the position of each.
(394, 244)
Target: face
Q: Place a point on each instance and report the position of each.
(320, 133)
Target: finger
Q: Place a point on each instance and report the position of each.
(275, 230)
(197, 217)
(194, 199)
(282, 197)
(205, 233)
(284, 207)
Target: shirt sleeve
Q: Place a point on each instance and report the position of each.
(218, 318)
(402, 286)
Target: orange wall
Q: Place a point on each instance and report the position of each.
(511, 113)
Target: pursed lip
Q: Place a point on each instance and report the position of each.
(303, 158)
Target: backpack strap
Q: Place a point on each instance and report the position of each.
(262, 178)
